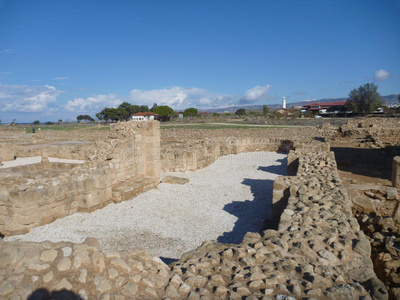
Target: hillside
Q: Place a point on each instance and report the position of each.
(389, 100)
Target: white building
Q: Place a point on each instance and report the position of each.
(143, 116)
(283, 102)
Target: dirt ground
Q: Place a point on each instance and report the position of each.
(358, 165)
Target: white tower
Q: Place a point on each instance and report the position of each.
(283, 102)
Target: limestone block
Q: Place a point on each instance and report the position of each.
(175, 180)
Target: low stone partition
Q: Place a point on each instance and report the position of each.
(124, 164)
(317, 252)
(180, 156)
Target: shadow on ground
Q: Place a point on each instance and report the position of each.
(276, 169)
(247, 212)
(362, 161)
(168, 260)
(44, 294)
(252, 214)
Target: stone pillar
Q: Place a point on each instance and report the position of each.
(396, 172)
(151, 147)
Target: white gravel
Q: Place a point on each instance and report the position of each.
(221, 202)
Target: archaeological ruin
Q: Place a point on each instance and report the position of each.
(334, 230)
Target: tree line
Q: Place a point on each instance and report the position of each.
(361, 101)
(125, 110)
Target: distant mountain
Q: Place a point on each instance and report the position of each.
(389, 100)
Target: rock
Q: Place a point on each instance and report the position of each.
(378, 290)
(82, 275)
(112, 273)
(342, 291)
(38, 267)
(117, 262)
(171, 291)
(62, 284)
(175, 180)
(49, 255)
(102, 284)
(98, 261)
(196, 281)
(362, 245)
(67, 251)
(130, 289)
(327, 255)
(6, 288)
(48, 276)
(367, 205)
(150, 293)
(64, 264)
(391, 194)
(82, 293)
(80, 258)
(92, 242)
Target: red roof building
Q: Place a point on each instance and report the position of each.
(322, 105)
(144, 114)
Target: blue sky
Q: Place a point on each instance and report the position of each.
(59, 59)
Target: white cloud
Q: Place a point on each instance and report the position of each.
(93, 104)
(179, 98)
(381, 75)
(6, 51)
(60, 78)
(29, 99)
(256, 93)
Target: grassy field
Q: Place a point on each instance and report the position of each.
(28, 128)
(216, 126)
(65, 127)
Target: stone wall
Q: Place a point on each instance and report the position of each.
(396, 172)
(316, 252)
(119, 167)
(180, 156)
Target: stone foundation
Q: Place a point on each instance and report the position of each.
(317, 252)
(120, 166)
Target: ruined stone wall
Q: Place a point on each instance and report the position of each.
(125, 164)
(316, 252)
(396, 172)
(375, 127)
(180, 156)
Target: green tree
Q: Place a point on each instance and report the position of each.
(153, 107)
(144, 108)
(240, 112)
(37, 122)
(190, 112)
(265, 110)
(84, 118)
(365, 99)
(109, 115)
(163, 110)
(59, 121)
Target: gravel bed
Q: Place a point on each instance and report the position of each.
(221, 202)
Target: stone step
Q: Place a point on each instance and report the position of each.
(132, 187)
